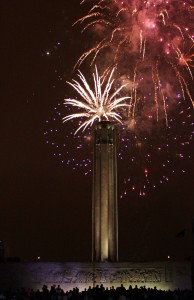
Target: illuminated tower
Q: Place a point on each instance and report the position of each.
(105, 215)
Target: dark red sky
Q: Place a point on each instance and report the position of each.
(45, 208)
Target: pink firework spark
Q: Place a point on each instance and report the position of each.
(153, 44)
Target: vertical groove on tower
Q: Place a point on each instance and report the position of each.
(104, 210)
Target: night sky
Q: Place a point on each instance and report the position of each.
(45, 207)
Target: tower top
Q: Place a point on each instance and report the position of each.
(104, 124)
(105, 133)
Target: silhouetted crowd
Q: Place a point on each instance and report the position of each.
(96, 293)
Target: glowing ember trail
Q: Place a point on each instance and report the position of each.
(153, 44)
(146, 159)
(98, 104)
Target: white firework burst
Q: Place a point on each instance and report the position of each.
(99, 104)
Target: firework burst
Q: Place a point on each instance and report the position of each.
(147, 159)
(152, 42)
(98, 104)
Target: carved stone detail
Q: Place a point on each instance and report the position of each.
(102, 276)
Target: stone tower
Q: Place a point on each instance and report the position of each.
(104, 206)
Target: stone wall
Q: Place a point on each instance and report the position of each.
(163, 275)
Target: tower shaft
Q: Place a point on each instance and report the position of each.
(105, 215)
